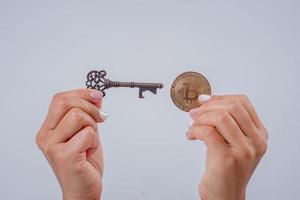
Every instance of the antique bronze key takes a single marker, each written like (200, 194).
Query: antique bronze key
(96, 80)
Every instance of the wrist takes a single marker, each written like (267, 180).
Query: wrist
(222, 197)
(82, 192)
(81, 197)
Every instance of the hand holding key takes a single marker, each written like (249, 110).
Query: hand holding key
(70, 140)
(96, 80)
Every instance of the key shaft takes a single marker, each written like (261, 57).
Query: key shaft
(134, 84)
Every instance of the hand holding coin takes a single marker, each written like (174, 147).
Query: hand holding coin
(235, 139)
(229, 126)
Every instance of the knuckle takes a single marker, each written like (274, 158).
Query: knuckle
(235, 106)
(38, 140)
(57, 96)
(222, 117)
(41, 139)
(80, 92)
(260, 143)
(76, 114)
(90, 130)
(244, 98)
(265, 132)
(62, 103)
(54, 154)
(49, 150)
(92, 125)
(79, 116)
(261, 148)
(247, 153)
(208, 132)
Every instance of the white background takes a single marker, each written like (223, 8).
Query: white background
(249, 47)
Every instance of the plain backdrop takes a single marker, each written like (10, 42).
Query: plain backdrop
(248, 47)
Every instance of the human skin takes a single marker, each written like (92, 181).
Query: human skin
(228, 125)
(235, 139)
(70, 141)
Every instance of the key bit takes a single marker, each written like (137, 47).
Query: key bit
(96, 80)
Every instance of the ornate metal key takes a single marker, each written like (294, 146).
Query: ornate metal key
(96, 80)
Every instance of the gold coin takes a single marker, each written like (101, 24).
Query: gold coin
(186, 88)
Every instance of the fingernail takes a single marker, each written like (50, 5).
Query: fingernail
(191, 124)
(204, 97)
(189, 130)
(96, 94)
(193, 113)
(103, 115)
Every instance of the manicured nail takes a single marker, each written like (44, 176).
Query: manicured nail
(204, 97)
(96, 94)
(191, 124)
(103, 115)
(193, 113)
(189, 129)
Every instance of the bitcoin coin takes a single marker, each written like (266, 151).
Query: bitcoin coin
(186, 88)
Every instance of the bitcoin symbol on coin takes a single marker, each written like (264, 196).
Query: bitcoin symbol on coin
(186, 88)
(188, 93)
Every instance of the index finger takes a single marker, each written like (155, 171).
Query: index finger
(93, 96)
(245, 102)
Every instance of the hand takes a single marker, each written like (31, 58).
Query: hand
(70, 141)
(236, 141)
